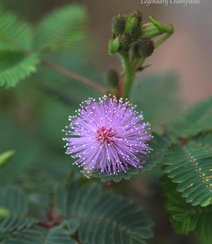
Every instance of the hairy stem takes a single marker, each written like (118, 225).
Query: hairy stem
(129, 74)
(75, 76)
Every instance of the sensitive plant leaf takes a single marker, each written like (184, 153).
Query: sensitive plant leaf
(39, 235)
(190, 166)
(15, 66)
(159, 146)
(197, 119)
(184, 217)
(109, 219)
(15, 202)
(6, 156)
(61, 29)
(15, 34)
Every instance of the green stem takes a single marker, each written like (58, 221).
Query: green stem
(129, 74)
(162, 40)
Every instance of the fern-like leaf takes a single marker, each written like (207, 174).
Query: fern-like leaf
(159, 144)
(39, 235)
(15, 34)
(184, 217)
(109, 219)
(190, 165)
(61, 29)
(196, 120)
(15, 202)
(15, 66)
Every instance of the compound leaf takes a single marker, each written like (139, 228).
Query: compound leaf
(15, 34)
(184, 217)
(190, 165)
(197, 119)
(15, 202)
(108, 219)
(61, 29)
(15, 66)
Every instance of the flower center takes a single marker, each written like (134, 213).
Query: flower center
(105, 135)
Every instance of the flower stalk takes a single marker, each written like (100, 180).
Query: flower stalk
(75, 76)
(129, 74)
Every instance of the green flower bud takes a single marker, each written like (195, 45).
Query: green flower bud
(112, 77)
(125, 41)
(113, 45)
(145, 47)
(132, 25)
(118, 24)
(135, 52)
(138, 15)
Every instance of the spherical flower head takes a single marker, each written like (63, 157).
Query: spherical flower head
(107, 136)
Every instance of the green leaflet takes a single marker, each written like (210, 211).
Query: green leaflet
(40, 235)
(159, 145)
(6, 156)
(15, 34)
(14, 200)
(184, 217)
(197, 119)
(109, 219)
(190, 166)
(15, 66)
(61, 29)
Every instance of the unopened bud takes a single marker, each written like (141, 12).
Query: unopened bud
(118, 24)
(145, 47)
(112, 77)
(138, 15)
(131, 25)
(113, 45)
(125, 41)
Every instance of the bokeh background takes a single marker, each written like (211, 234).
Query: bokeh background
(35, 111)
(188, 52)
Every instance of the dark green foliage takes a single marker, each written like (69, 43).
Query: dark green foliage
(185, 217)
(18, 58)
(61, 29)
(109, 219)
(190, 165)
(198, 119)
(15, 66)
(84, 215)
(15, 34)
(40, 235)
(14, 200)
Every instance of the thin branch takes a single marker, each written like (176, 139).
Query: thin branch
(75, 76)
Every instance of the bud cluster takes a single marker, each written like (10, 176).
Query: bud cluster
(127, 32)
(112, 77)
